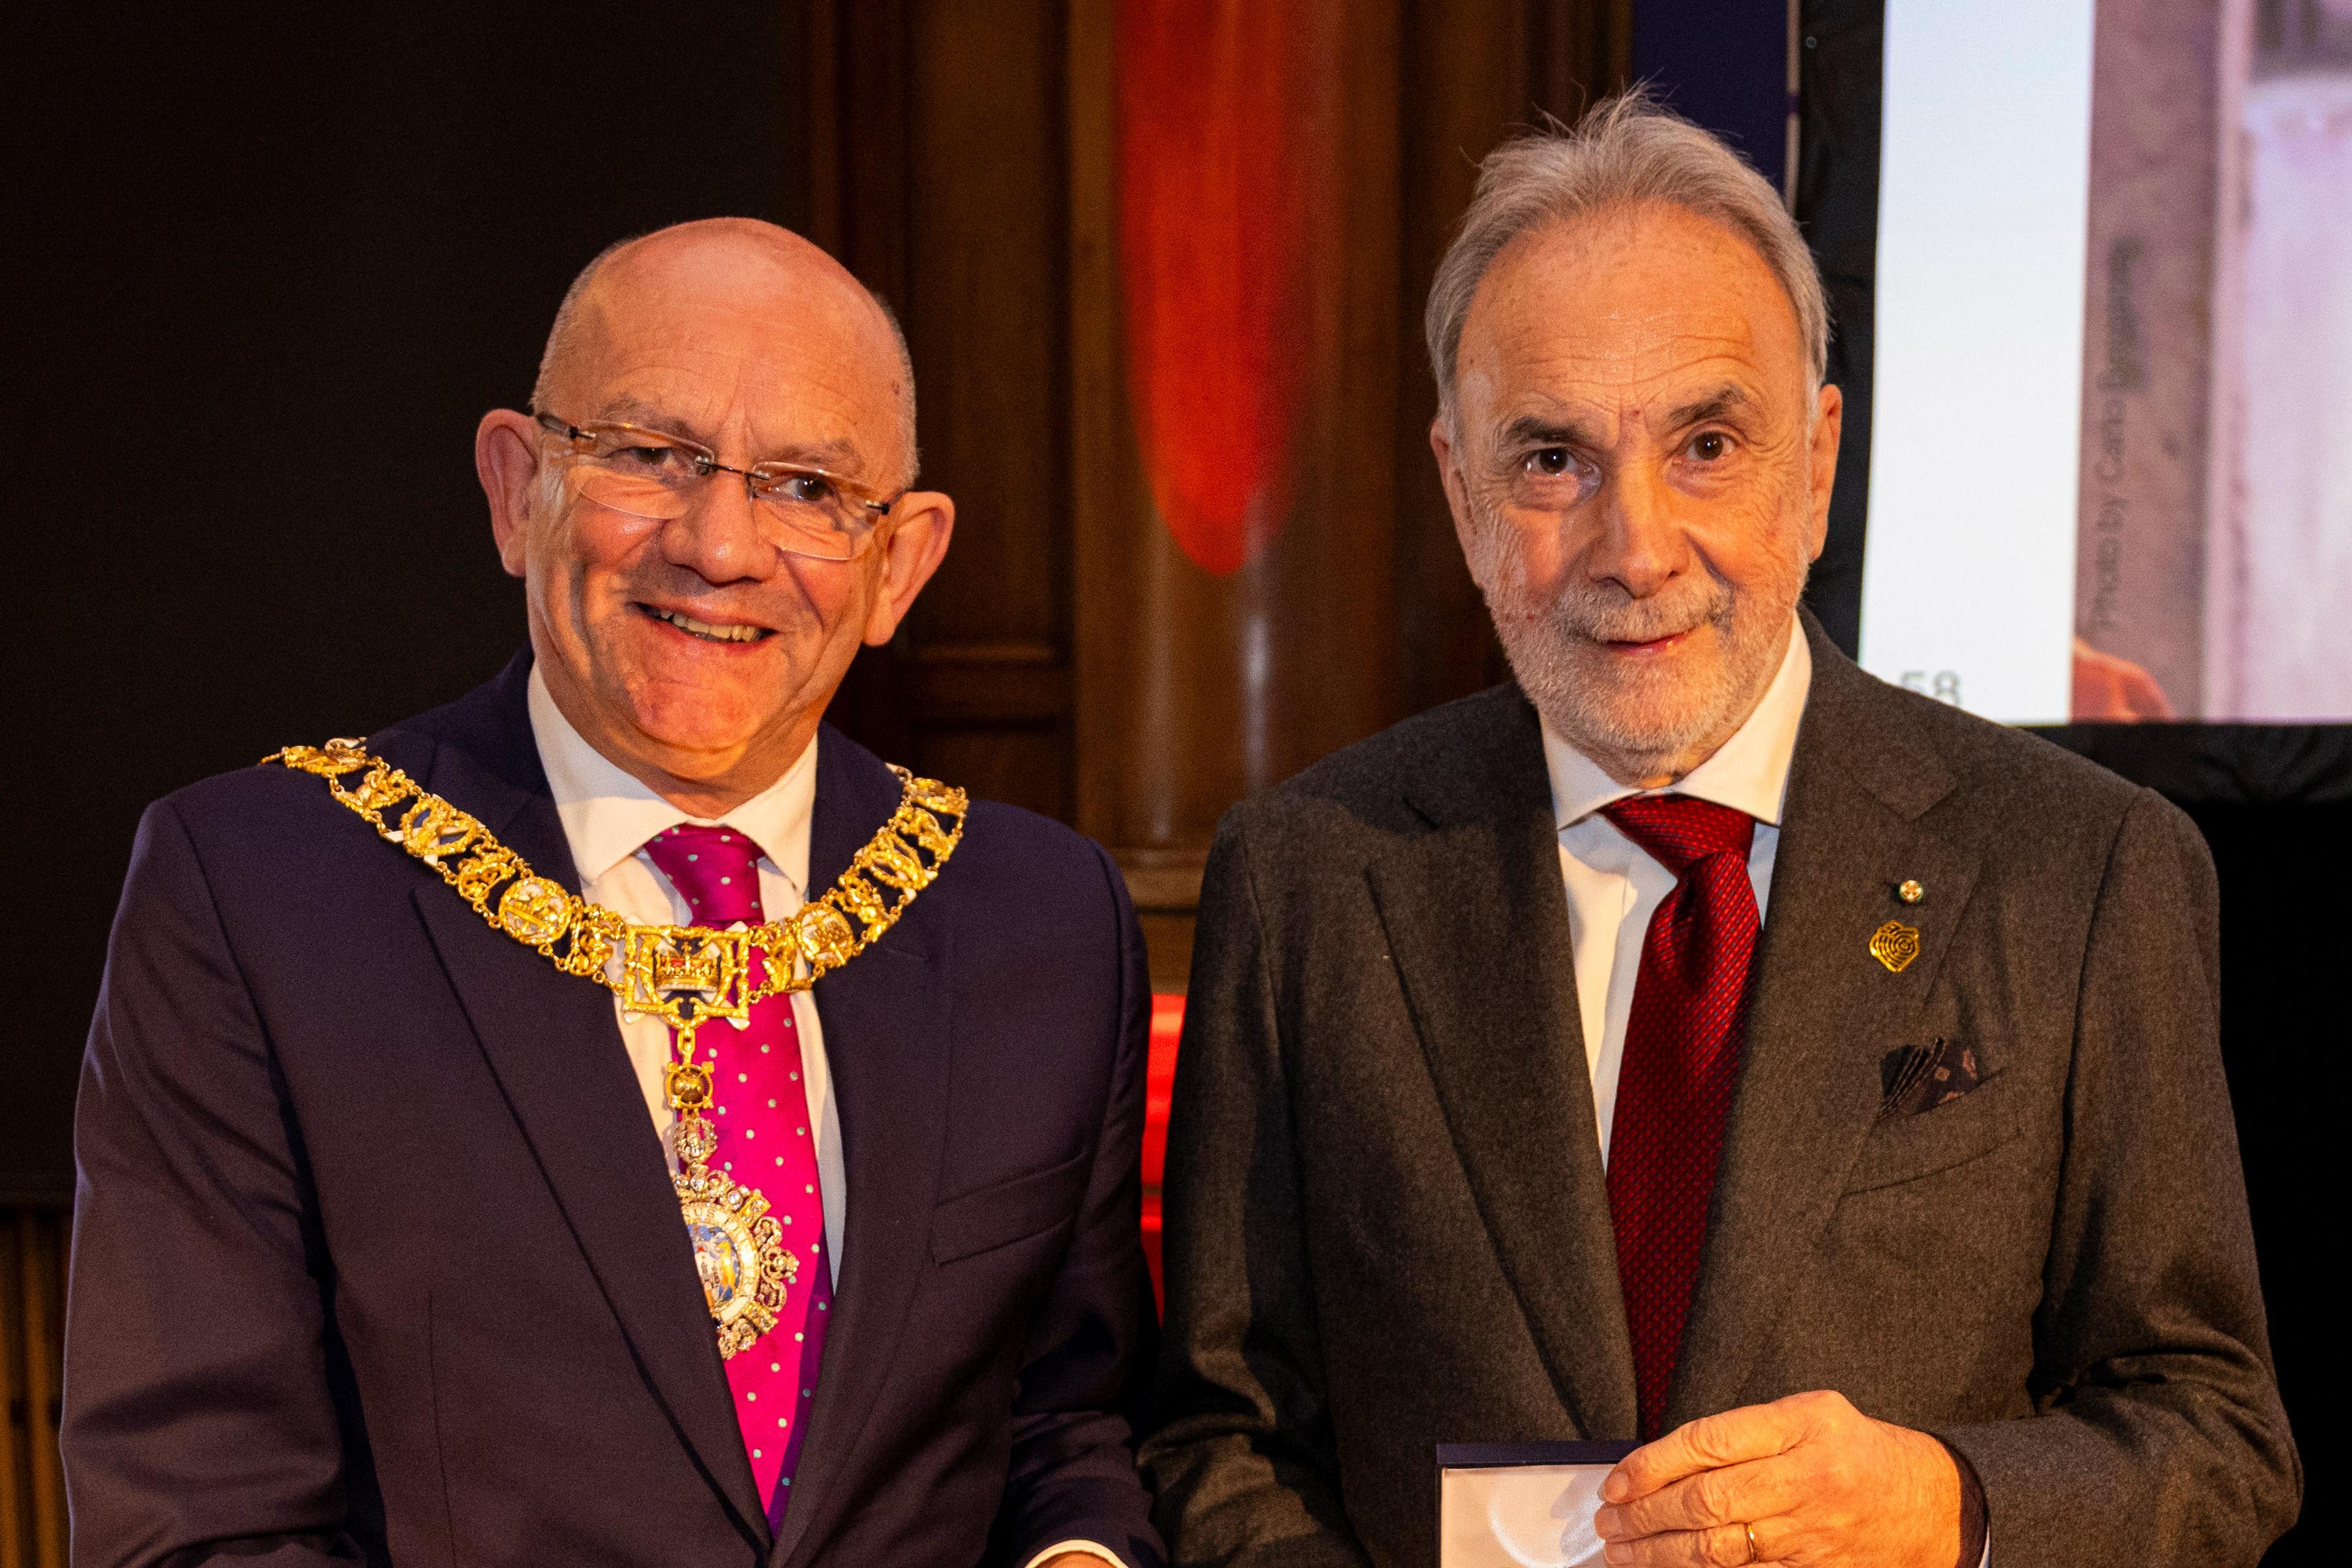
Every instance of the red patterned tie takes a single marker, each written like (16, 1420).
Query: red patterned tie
(765, 1141)
(1681, 1063)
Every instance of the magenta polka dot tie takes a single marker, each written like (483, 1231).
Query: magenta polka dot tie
(767, 1139)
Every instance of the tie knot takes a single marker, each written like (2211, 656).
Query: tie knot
(716, 869)
(1678, 831)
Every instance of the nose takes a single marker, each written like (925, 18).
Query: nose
(719, 538)
(1637, 547)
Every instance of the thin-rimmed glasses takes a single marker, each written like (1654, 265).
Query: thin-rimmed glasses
(654, 475)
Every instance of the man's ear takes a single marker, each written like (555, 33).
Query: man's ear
(1449, 474)
(506, 460)
(1829, 422)
(913, 543)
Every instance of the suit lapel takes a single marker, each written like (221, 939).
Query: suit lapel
(554, 1045)
(1823, 1010)
(886, 1024)
(1476, 918)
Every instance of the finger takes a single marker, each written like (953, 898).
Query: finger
(1724, 1546)
(1711, 1442)
(1756, 1490)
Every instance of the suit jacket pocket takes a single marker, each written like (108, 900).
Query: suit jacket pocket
(1008, 1211)
(1904, 1148)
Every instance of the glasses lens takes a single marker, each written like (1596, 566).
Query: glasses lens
(815, 516)
(640, 471)
(646, 474)
(634, 494)
(645, 455)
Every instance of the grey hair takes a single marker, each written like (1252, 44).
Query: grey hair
(1625, 152)
(566, 328)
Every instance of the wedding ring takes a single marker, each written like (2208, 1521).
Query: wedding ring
(1753, 1554)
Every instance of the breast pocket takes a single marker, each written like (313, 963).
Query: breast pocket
(1009, 1211)
(1906, 1148)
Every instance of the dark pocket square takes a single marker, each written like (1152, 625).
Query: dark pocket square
(1921, 1077)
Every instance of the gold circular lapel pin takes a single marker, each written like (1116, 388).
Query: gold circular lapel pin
(1894, 945)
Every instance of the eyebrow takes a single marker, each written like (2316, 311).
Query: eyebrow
(1729, 398)
(1538, 430)
(635, 411)
(1551, 430)
(835, 457)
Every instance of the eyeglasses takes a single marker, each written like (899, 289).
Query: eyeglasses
(654, 475)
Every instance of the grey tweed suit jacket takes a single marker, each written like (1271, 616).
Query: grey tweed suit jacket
(1387, 1224)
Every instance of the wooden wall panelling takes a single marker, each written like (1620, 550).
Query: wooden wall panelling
(1195, 689)
(1468, 93)
(15, 1456)
(1481, 71)
(33, 1247)
(1069, 656)
(1576, 51)
(16, 1437)
(1106, 486)
(987, 643)
(847, 62)
(939, 137)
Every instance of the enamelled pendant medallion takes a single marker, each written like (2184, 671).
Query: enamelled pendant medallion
(739, 1248)
(687, 976)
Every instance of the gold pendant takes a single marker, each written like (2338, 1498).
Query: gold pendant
(686, 975)
(739, 1248)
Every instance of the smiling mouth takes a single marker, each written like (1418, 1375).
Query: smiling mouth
(706, 630)
(1652, 645)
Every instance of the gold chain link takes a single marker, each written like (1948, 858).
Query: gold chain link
(686, 975)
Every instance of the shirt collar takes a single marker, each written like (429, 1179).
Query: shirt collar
(608, 814)
(1748, 772)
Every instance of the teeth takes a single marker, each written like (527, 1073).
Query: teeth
(705, 631)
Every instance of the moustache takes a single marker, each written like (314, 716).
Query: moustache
(1602, 613)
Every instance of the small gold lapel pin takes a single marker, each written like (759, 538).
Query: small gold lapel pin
(1894, 945)
(1910, 891)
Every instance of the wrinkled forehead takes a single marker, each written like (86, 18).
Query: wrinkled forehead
(1627, 311)
(768, 365)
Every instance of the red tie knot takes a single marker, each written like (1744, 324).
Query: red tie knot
(1678, 831)
(716, 870)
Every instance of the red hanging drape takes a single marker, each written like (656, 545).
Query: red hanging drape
(1224, 131)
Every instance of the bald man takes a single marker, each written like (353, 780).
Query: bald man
(613, 1118)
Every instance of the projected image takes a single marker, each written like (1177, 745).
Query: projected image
(2112, 474)
(2214, 566)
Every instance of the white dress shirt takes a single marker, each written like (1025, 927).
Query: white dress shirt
(608, 818)
(1613, 885)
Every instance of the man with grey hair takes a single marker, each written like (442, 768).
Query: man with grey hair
(1697, 1043)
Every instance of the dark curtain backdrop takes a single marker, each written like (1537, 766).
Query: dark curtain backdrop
(268, 265)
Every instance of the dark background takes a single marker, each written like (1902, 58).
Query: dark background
(265, 271)
(267, 276)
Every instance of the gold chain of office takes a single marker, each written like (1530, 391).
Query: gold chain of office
(686, 975)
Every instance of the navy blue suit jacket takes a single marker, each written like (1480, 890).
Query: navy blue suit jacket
(376, 1250)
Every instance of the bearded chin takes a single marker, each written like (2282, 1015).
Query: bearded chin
(1642, 718)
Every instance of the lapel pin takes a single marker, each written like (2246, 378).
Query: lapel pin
(1894, 945)
(1910, 891)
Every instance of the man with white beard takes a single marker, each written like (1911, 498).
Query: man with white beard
(1696, 1041)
